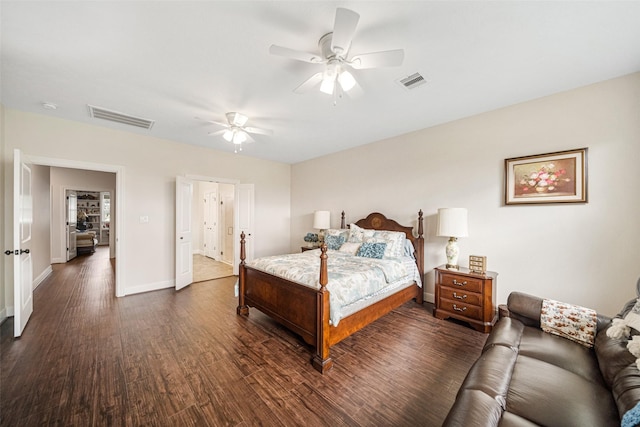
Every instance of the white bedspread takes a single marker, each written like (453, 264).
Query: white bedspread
(351, 278)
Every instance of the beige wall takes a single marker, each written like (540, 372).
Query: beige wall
(40, 231)
(150, 168)
(581, 253)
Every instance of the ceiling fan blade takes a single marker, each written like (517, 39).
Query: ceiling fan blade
(344, 27)
(388, 58)
(309, 83)
(295, 54)
(236, 119)
(259, 131)
(213, 122)
(219, 132)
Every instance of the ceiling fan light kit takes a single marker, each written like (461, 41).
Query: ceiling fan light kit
(235, 130)
(334, 48)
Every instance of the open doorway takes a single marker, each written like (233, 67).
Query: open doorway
(188, 233)
(212, 224)
(84, 176)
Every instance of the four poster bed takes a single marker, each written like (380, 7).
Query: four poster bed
(306, 306)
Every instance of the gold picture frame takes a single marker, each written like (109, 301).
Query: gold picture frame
(559, 177)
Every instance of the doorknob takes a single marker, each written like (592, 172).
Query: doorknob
(8, 252)
(25, 251)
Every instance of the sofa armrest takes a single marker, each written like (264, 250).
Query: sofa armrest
(525, 308)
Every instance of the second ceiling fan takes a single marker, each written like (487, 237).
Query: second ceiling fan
(334, 48)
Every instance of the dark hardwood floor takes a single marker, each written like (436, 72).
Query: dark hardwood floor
(185, 358)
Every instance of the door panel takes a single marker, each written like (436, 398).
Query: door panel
(71, 221)
(184, 232)
(245, 221)
(22, 223)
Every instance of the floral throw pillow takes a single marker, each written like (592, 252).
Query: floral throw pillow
(372, 250)
(334, 242)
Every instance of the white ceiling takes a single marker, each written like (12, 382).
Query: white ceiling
(172, 61)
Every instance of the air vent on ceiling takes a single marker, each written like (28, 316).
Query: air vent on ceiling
(412, 81)
(114, 116)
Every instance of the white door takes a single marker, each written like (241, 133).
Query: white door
(211, 225)
(22, 262)
(184, 232)
(72, 222)
(226, 227)
(245, 222)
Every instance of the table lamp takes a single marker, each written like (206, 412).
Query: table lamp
(452, 223)
(321, 221)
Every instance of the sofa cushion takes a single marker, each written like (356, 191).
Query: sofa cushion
(549, 395)
(560, 352)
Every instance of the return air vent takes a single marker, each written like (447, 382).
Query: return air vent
(412, 81)
(114, 116)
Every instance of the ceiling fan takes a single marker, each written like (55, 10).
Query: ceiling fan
(235, 130)
(334, 48)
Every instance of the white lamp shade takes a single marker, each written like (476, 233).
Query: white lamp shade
(322, 220)
(452, 222)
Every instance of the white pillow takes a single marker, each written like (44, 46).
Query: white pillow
(359, 234)
(350, 247)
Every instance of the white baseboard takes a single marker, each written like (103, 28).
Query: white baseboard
(198, 252)
(58, 260)
(429, 297)
(10, 311)
(150, 287)
(47, 271)
(3, 315)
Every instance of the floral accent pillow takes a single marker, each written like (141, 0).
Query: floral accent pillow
(359, 234)
(372, 250)
(393, 239)
(334, 242)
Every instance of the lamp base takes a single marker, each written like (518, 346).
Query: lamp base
(452, 252)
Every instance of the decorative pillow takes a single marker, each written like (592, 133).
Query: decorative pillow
(359, 234)
(344, 232)
(334, 242)
(350, 247)
(569, 321)
(372, 250)
(393, 239)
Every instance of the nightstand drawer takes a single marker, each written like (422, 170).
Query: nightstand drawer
(461, 309)
(461, 295)
(461, 282)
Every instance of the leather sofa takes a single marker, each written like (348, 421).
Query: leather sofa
(527, 377)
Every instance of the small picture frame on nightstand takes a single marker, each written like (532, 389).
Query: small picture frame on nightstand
(478, 264)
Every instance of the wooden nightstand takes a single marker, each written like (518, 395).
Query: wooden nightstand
(466, 296)
(307, 248)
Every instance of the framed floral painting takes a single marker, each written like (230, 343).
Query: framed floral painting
(559, 177)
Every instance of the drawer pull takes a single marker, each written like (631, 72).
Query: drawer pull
(455, 282)
(459, 296)
(456, 308)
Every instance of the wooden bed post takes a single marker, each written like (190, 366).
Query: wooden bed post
(342, 221)
(242, 309)
(420, 256)
(321, 361)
